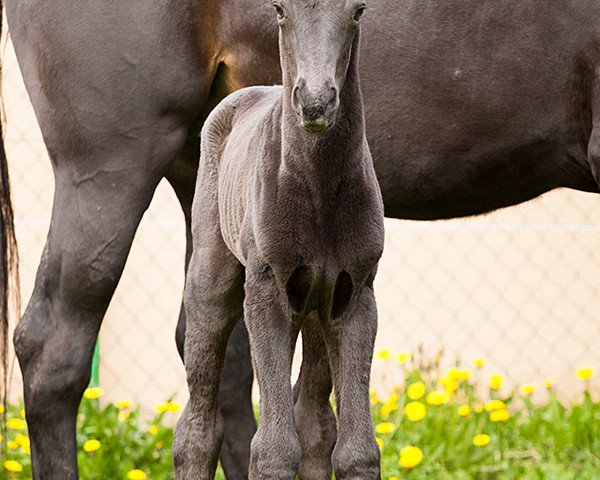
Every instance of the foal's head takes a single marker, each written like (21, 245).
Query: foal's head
(315, 40)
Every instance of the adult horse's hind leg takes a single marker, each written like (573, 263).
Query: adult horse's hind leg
(315, 421)
(94, 218)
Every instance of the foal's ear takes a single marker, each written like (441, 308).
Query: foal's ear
(298, 287)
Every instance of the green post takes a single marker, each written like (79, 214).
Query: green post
(95, 378)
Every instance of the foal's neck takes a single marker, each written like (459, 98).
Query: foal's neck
(337, 151)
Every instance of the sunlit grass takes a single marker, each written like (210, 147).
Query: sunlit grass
(439, 425)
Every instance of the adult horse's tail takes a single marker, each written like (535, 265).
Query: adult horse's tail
(9, 285)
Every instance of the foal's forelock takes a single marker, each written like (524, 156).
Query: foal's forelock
(315, 41)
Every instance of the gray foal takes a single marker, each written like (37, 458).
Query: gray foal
(288, 229)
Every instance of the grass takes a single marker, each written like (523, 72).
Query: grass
(439, 425)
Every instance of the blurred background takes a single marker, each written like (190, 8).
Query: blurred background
(519, 287)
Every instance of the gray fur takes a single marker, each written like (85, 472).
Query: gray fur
(296, 217)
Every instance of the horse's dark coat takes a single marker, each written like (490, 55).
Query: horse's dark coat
(471, 105)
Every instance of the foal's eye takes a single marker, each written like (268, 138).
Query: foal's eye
(279, 10)
(359, 13)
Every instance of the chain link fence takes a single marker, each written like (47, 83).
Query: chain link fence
(520, 287)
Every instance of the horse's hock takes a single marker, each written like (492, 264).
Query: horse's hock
(488, 286)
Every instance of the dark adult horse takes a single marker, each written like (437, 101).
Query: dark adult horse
(471, 105)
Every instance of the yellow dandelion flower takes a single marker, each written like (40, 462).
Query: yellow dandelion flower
(449, 384)
(385, 428)
(415, 390)
(12, 445)
(383, 354)
(93, 393)
(393, 478)
(387, 408)
(415, 411)
(495, 404)
(136, 475)
(1, 409)
(13, 466)
(481, 440)
(478, 408)
(379, 442)
(403, 357)
(91, 446)
(16, 424)
(22, 413)
(548, 383)
(496, 381)
(464, 410)
(123, 404)
(479, 362)
(22, 440)
(153, 430)
(168, 407)
(501, 415)
(438, 397)
(585, 373)
(528, 389)
(410, 456)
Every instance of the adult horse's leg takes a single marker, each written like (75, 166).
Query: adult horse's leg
(235, 391)
(94, 218)
(315, 421)
(350, 341)
(114, 106)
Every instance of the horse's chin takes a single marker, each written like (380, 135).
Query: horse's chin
(320, 125)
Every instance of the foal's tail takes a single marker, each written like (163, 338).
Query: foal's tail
(9, 258)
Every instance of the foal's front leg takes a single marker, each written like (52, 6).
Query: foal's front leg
(275, 451)
(315, 420)
(350, 342)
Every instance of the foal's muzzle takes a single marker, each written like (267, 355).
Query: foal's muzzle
(316, 106)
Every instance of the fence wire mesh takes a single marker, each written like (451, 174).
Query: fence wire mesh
(519, 287)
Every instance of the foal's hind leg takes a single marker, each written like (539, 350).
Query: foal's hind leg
(350, 342)
(235, 392)
(315, 421)
(213, 304)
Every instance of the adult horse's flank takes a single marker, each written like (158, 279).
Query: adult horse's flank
(287, 223)
(470, 105)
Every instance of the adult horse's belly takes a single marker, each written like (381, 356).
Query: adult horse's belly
(474, 105)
